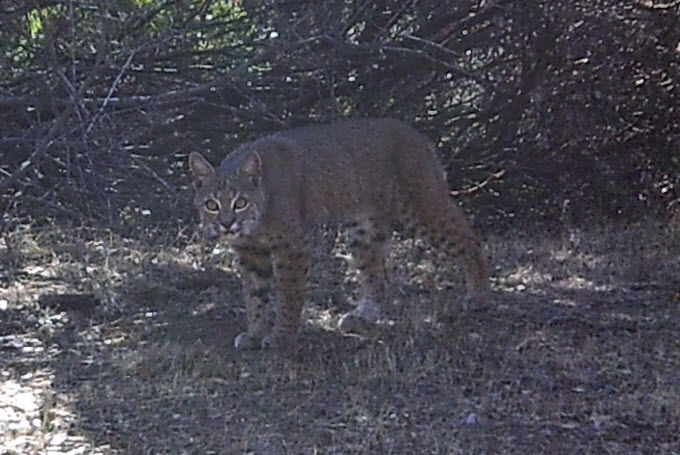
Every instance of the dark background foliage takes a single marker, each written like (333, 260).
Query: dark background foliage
(543, 110)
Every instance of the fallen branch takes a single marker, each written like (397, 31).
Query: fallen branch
(648, 4)
(480, 185)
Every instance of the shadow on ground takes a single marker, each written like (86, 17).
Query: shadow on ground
(560, 363)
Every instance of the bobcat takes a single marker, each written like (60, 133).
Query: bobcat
(368, 175)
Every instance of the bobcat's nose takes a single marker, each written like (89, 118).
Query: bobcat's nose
(227, 226)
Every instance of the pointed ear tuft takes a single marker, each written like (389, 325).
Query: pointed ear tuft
(252, 165)
(201, 168)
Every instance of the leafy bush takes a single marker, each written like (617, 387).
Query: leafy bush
(542, 110)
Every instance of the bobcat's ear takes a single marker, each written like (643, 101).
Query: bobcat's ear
(252, 164)
(200, 168)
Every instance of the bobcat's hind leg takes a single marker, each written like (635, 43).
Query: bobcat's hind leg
(451, 231)
(369, 244)
(255, 266)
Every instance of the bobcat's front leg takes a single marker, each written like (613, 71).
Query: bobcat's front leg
(290, 271)
(255, 266)
(369, 242)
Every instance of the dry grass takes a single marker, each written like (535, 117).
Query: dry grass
(109, 345)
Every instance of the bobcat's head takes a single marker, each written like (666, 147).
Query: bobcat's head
(230, 200)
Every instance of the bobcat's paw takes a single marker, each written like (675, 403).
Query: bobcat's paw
(247, 340)
(280, 340)
(362, 318)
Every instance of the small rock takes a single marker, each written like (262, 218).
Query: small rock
(470, 420)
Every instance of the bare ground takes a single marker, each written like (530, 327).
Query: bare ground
(115, 346)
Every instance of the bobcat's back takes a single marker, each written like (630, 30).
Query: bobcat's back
(345, 171)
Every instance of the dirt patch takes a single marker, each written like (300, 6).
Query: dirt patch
(109, 345)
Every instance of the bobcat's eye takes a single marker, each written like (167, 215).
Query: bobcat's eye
(240, 204)
(211, 205)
